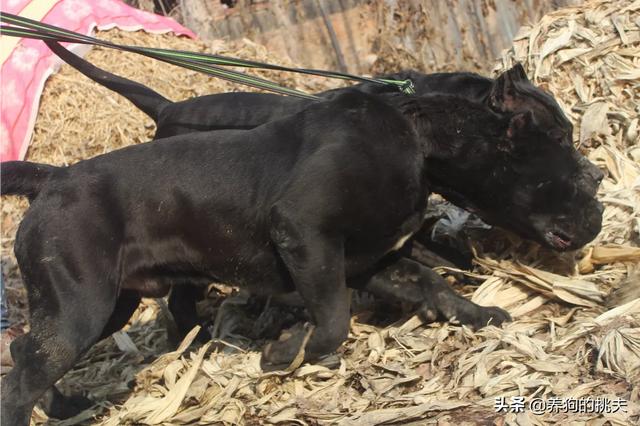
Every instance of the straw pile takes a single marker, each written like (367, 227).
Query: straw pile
(576, 332)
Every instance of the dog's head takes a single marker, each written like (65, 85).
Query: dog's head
(540, 190)
(508, 169)
(512, 92)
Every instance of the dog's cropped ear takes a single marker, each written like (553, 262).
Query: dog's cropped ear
(503, 95)
(518, 123)
(518, 73)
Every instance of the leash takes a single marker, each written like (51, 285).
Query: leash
(200, 62)
(41, 31)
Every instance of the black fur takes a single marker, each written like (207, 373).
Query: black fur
(24, 178)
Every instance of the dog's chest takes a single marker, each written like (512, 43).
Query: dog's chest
(406, 231)
(411, 221)
(401, 241)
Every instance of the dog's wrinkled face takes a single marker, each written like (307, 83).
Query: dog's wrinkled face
(544, 197)
(512, 92)
(532, 186)
(511, 171)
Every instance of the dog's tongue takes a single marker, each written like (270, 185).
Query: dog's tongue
(559, 241)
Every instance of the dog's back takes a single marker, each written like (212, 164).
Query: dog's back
(181, 199)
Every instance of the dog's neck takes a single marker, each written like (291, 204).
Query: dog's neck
(460, 140)
(450, 125)
(472, 86)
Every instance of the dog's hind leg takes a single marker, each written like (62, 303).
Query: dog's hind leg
(57, 405)
(65, 319)
(315, 262)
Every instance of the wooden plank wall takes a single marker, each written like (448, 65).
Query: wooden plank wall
(362, 36)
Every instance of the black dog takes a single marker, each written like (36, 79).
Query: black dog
(509, 92)
(311, 203)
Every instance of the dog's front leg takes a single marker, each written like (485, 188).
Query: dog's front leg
(315, 262)
(409, 281)
(182, 306)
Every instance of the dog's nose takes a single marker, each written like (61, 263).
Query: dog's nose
(593, 171)
(594, 220)
(598, 176)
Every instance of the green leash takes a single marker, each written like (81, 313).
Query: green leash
(230, 75)
(205, 63)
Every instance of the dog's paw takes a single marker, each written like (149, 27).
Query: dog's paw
(482, 316)
(454, 307)
(278, 355)
(428, 311)
(60, 406)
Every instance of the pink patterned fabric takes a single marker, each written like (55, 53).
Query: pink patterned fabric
(25, 70)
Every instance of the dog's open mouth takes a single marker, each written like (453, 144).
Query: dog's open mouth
(558, 239)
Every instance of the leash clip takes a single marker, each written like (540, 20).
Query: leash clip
(408, 87)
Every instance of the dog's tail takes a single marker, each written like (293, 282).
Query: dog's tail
(145, 99)
(23, 178)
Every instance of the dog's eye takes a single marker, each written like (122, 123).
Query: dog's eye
(557, 135)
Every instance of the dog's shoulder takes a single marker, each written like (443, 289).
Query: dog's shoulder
(354, 112)
(363, 132)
